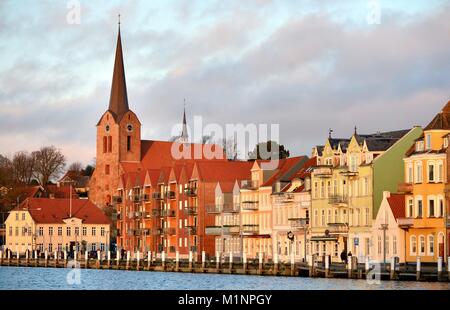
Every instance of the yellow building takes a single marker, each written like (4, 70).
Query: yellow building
(347, 189)
(425, 179)
(57, 224)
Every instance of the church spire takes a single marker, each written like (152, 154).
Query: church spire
(118, 102)
(184, 137)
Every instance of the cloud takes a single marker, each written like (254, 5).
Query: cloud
(255, 63)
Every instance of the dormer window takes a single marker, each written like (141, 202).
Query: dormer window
(419, 146)
(446, 142)
(428, 141)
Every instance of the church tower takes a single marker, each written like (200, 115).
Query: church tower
(118, 136)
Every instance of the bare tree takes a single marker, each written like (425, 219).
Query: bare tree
(230, 148)
(50, 163)
(23, 165)
(6, 171)
(76, 166)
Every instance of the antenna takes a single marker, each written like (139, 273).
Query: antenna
(119, 19)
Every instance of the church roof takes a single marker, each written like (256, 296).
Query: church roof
(118, 102)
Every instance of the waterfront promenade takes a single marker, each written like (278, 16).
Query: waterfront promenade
(314, 268)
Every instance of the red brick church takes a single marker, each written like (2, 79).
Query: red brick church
(160, 199)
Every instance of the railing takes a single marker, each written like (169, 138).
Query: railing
(323, 172)
(190, 211)
(213, 230)
(250, 229)
(131, 214)
(131, 232)
(191, 229)
(231, 229)
(338, 199)
(405, 187)
(146, 197)
(191, 191)
(299, 222)
(170, 195)
(169, 231)
(249, 184)
(250, 205)
(144, 231)
(405, 222)
(212, 209)
(157, 196)
(156, 212)
(117, 199)
(304, 204)
(136, 198)
(231, 208)
(168, 213)
(337, 228)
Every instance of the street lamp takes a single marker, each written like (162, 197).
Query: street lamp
(384, 228)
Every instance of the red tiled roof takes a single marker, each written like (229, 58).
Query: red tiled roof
(224, 171)
(157, 154)
(227, 187)
(284, 166)
(54, 211)
(397, 204)
(441, 120)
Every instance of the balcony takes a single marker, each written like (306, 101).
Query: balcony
(168, 213)
(337, 228)
(323, 172)
(304, 204)
(170, 195)
(118, 233)
(231, 229)
(146, 197)
(405, 188)
(249, 184)
(191, 191)
(299, 223)
(157, 196)
(350, 172)
(190, 211)
(231, 208)
(172, 249)
(213, 230)
(136, 198)
(131, 232)
(252, 229)
(117, 200)
(405, 222)
(214, 209)
(144, 231)
(131, 214)
(338, 199)
(169, 231)
(142, 215)
(156, 212)
(191, 230)
(250, 205)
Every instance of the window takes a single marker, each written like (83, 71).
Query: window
(387, 245)
(10, 230)
(41, 231)
(431, 211)
(180, 242)
(94, 247)
(77, 231)
(419, 207)
(109, 144)
(105, 144)
(23, 231)
(422, 245)
(428, 141)
(431, 172)
(93, 231)
(128, 143)
(431, 245)
(440, 170)
(107, 169)
(102, 247)
(23, 216)
(446, 142)
(367, 216)
(316, 190)
(409, 173)
(50, 231)
(68, 231)
(441, 206)
(316, 217)
(59, 231)
(17, 216)
(413, 245)
(394, 245)
(329, 216)
(419, 146)
(50, 247)
(379, 245)
(419, 172)
(323, 218)
(84, 231)
(410, 210)
(102, 231)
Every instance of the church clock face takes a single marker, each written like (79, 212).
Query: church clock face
(130, 127)
(107, 128)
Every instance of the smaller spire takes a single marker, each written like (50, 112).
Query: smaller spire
(184, 137)
(330, 131)
(356, 130)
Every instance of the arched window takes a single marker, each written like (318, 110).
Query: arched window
(105, 142)
(430, 245)
(422, 245)
(413, 245)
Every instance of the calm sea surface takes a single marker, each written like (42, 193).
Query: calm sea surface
(51, 278)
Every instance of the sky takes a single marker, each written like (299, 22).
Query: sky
(305, 65)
